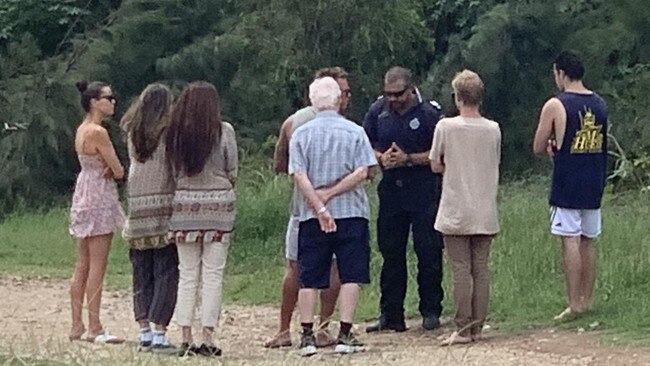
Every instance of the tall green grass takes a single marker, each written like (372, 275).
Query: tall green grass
(527, 280)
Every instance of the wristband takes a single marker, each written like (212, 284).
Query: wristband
(322, 210)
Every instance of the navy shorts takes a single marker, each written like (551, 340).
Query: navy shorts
(350, 243)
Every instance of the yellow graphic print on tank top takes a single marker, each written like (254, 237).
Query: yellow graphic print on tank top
(589, 138)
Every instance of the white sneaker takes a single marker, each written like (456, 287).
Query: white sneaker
(307, 346)
(146, 338)
(348, 344)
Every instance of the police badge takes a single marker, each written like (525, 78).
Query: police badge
(414, 124)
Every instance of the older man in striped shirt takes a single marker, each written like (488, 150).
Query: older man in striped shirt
(329, 158)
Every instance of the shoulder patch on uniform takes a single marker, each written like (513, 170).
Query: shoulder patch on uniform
(435, 104)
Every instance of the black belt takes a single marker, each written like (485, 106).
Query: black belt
(404, 182)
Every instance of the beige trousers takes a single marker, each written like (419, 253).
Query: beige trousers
(205, 262)
(469, 265)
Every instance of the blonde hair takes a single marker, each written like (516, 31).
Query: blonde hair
(468, 87)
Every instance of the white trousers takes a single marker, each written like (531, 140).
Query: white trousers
(205, 262)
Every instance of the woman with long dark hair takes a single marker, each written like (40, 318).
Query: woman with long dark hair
(150, 191)
(95, 212)
(202, 151)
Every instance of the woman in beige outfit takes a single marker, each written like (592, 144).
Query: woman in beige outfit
(467, 150)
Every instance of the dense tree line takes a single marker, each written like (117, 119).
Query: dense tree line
(261, 54)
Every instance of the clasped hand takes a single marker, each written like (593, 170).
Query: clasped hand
(325, 219)
(394, 157)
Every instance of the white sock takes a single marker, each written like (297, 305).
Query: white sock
(159, 337)
(146, 335)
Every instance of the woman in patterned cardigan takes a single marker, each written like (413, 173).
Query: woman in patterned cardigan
(203, 153)
(150, 192)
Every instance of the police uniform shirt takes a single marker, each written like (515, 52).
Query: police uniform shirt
(411, 131)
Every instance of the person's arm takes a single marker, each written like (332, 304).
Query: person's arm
(545, 128)
(437, 167)
(370, 127)
(437, 152)
(387, 159)
(102, 141)
(231, 152)
(499, 144)
(364, 160)
(347, 183)
(281, 153)
(298, 165)
(401, 159)
(325, 219)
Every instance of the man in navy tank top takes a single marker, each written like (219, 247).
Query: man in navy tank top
(573, 131)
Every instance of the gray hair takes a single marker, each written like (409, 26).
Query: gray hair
(397, 73)
(325, 93)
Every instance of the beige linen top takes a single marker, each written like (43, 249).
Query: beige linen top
(470, 149)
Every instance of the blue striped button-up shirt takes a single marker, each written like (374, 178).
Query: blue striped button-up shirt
(327, 149)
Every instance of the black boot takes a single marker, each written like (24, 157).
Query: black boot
(384, 324)
(430, 322)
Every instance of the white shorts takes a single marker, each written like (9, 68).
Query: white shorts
(573, 222)
(291, 239)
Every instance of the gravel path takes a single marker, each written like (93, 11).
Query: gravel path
(34, 319)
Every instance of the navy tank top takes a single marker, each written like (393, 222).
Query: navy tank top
(580, 165)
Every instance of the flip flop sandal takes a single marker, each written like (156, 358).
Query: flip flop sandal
(276, 343)
(105, 338)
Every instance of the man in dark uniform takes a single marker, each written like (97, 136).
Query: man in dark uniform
(400, 128)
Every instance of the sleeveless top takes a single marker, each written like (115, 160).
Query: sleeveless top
(580, 165)
(95, 208)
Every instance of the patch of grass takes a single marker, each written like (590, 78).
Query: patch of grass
(527, 287)
(15, 360)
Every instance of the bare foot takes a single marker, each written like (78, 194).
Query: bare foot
(324, 339)
(76, 332)
(456, 338)
(281, 339)
(568, 314)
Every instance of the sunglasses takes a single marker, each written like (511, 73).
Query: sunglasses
(110, 98)
(395, 94)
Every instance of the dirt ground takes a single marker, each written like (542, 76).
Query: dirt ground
(34, 324)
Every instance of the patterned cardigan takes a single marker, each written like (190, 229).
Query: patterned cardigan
(204, 204)
(150, 191)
